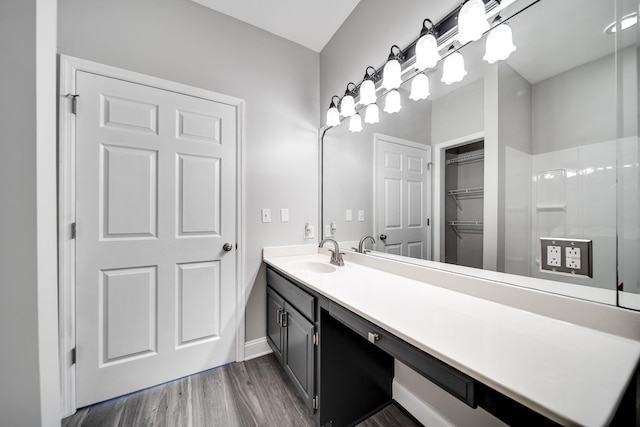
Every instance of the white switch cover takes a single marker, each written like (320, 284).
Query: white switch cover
(284, 215)
(360, 215)
(554, 256)
(266, 215)
(348, 216)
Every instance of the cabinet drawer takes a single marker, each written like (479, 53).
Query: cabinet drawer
(448, 378)
(302, 301)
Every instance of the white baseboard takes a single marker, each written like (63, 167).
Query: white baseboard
(256, 348)
(417, 407)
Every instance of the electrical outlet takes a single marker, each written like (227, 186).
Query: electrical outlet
(561, 255)
(348, 215)
(361, 215)
(554, 257)
(309, 231)
(328, 231)
(572, 258)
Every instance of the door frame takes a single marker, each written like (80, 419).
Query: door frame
(377, 137)
(439, 151)
(68, 68)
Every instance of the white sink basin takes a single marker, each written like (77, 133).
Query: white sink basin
(316, 267)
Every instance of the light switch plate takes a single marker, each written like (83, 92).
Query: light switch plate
(348, 215)
(266, 214)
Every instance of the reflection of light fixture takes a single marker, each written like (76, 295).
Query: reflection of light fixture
(392, 102)
(392, 73)
(472, 21)
(626, 22)
(368, 88)
(499, 43)
(372, 114)
(419, 87)
(355, 123)
(453, 69)
(333, 116)
(348, 105)
(427, 55)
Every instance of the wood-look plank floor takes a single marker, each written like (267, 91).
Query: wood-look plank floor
(252, 393)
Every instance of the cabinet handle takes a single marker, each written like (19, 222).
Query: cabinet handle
(279, 317)
(283, 319)
(373, 337)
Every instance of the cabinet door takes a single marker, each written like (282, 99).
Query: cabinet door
(299, 353)
(275, 336)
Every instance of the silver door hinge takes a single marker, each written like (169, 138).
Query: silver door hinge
(74, 102)
(73, 230)
(73, 356)
(316, 403)
(316, 338)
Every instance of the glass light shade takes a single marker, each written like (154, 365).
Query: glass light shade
(499, 44)
(392, 102)
(333, 117)
(367, 92)
(355, 123)
(347, 106)
(372, 114)
(472, 21)
(392, 75)
(419, 87)
(427, 55)
(453, 69)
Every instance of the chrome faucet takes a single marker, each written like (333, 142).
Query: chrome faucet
(361, 248)
(336, 255)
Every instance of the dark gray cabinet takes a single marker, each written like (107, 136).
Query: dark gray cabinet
(291, 335)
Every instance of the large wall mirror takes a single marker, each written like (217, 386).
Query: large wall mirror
(541, 145)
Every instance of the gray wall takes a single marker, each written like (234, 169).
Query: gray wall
(182, 41)
(29, 375)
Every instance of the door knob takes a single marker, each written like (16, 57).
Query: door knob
(383, 237)
(227, 247)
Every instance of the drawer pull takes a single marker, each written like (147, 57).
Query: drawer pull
(373, 337)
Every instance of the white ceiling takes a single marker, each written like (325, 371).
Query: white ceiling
(306, 22)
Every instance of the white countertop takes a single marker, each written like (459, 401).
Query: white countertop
(569, 373)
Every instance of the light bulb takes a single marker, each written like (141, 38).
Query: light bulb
(333, 117)
(392, 102)
(499, 44)
(419, 87)
(355, 123)
(372, 114)
(472, 21)
(427, 55)
(367, 92)
(347, 106)
(453, 69)
(392, 74)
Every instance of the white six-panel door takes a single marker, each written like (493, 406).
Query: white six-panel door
(402, 197)
(155, 203)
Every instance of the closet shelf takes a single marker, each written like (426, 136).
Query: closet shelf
(465, 193)
(466, 158)
(471, 227)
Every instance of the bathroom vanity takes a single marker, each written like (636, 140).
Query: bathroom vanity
(337, 330)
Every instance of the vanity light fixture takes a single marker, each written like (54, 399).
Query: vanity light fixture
(427, 55)
(355, 123)
(453, 69)
(499, 43)
(392, 73)
(626, 22)
(419, 87)
(368, 88)
(372, 114)
(333, 115)
(392, 102)
(348, 104)
(472, 21)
